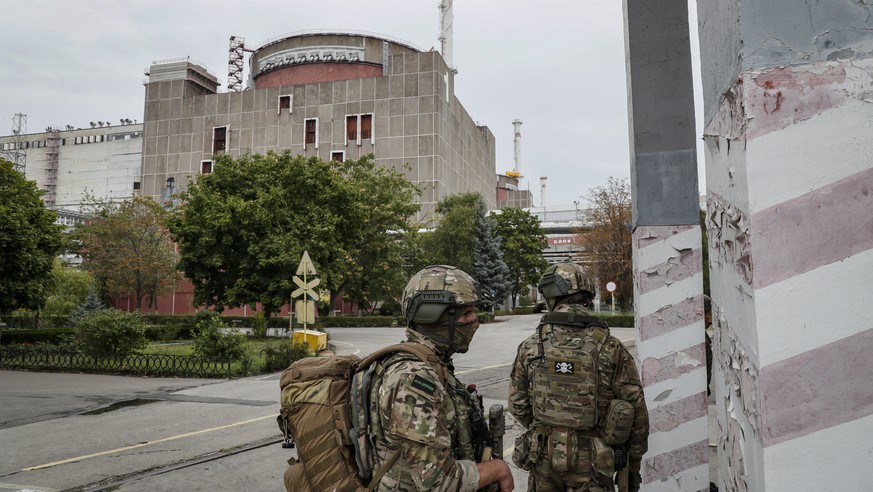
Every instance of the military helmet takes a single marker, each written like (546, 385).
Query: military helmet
(563, 279)
(435, 288)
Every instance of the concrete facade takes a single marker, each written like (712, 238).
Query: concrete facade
(415, 118)
(787, 92)
(103, 162)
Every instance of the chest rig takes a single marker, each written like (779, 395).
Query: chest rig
(564, 372)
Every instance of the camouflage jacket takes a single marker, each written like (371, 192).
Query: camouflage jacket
(428, 422)
(618, 378)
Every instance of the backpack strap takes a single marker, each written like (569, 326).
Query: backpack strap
(422, 352)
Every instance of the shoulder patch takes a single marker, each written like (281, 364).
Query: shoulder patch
(423, 385)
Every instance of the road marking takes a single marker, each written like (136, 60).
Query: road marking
(356, 352)
(482, 368)
(25, 488)
(148, 443)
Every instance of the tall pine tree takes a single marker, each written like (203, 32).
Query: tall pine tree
(489, 268)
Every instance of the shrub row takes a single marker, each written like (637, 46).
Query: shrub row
(51, 335)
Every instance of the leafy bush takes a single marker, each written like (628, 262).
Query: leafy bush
(165, 333)
(52, 335)
(210, 340)
(110, 331)
(259, 325)
(280, 355)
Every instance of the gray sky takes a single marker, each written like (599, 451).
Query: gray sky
(557, 65)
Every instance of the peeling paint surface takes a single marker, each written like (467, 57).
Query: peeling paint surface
(728, 231)
(672, 366)
(669, 318)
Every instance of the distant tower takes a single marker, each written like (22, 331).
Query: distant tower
(543, 190)
(446, 41)
(18, 153)
(235, 63)
(517, 147)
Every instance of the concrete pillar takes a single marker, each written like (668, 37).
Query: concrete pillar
(788, 96)
(668, 287)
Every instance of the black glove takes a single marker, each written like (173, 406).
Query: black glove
(634, 480)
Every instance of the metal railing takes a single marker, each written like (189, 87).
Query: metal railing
(39, 358)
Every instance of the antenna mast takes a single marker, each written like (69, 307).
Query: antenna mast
(446, 34)
(18, 153)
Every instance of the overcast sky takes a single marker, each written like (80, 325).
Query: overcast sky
(557, 65)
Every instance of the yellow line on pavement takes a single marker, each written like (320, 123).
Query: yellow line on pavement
(148, 443)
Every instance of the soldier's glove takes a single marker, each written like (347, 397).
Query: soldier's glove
(634, 480)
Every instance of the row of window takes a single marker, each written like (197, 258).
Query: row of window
(38, 144)
(359, 127)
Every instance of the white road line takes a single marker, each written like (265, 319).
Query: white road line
(148, 443)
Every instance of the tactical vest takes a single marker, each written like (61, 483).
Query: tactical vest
(564, 377)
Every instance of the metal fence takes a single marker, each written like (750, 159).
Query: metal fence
(39, 358)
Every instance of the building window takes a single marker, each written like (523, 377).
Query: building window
(311, 127)
(367, 127)
(351, 128)
(205, 167)
(359, 127)
(219, 139)
(136, 185)
(284, 103)
(338, 156)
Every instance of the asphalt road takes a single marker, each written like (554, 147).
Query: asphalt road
(88, 432)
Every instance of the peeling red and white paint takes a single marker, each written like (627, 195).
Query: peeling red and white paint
(671, 354)
(790, 217)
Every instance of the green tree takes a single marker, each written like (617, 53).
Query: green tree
(523, 242)
(92, 302)
(453, 240)
(489, 269)
(128, 248)
(373, 237)
(242, 230)
(68, 289)
(29, 242)
(607, 240)
(466, 238)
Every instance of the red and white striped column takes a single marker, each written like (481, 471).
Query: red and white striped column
(790, 220)
(672, 356)
(667, 242)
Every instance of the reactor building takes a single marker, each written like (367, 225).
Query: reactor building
(334, 95)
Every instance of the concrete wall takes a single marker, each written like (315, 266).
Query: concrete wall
(789, 173)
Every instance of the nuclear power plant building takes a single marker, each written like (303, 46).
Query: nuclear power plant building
(334, 95)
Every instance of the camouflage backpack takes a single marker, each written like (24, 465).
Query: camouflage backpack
(565, 380)
(324, 413)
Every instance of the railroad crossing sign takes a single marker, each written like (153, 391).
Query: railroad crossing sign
(305, 307)
(305, 288)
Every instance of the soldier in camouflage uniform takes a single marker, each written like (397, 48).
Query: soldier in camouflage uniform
(423, 415)
(576, 390)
